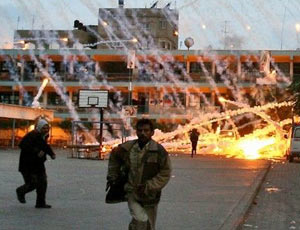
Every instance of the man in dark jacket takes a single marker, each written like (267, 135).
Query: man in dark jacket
(34, 148)
(149, 169)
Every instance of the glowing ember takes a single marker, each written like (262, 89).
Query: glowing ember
(35, 103)
(272, 189)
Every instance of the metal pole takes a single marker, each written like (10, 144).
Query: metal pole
(13, 134)
(130, 88)
(101, 133)
(282, 27)
(73, 133)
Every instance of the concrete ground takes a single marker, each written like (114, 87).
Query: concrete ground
(277, 206)
(205, 192)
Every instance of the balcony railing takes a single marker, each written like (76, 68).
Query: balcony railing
(245, 77)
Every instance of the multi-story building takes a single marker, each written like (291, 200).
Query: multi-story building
(165, 83)
(173, 85)
(118, 28)
(152, 28)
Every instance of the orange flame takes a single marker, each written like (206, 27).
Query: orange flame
(251, 147)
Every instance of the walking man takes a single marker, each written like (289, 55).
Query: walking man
(34, 148)
(194, 135)
(148, 168)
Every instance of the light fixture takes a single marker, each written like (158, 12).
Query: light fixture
(104, 23)
(64, 39)
(134, 40)
(297, 26)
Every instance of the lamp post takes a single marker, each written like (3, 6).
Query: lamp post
(189, 42)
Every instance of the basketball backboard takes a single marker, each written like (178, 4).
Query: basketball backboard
(89, 98)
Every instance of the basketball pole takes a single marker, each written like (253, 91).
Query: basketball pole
(101, 134)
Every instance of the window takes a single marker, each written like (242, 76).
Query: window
(162, 24)
(113, 67)
(27, 98)
(198, 67)
(75, 98)
(55, 67)
(4, 67)
(148, 26)
(55, 99)
(9, 98)
(117, 45)
(165, 44)
(250, 67)
(29, 70)
(297, 133)
(8, 70)
(174, 100)
(194, 100)
(296, 68)
(281, 67)
(205, 99)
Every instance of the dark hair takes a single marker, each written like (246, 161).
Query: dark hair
(144, 122)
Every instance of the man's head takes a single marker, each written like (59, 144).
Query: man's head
(42, 126)
(144, 130)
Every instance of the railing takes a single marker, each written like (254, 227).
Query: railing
(244, 77)
(158, 110)
(10, 101)
(5, 76)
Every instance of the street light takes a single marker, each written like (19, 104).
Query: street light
(104, 23)
(64, 39)
(189, 42)
(134, 40)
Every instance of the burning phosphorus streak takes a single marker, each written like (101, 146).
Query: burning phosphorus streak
(35, 103)
(259, 144)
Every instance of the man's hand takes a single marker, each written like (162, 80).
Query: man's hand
(53, 156)
(41, 154)
(109, 183)
(141, 189)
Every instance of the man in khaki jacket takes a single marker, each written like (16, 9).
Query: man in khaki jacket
(147, 168)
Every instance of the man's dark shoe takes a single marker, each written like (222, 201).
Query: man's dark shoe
(43, 206)
(21, 197)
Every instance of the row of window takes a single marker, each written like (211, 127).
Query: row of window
(117, 99)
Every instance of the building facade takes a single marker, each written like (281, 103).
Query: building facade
(117, 28)
(170, 85)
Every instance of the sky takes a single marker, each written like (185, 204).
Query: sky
(251, 24)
